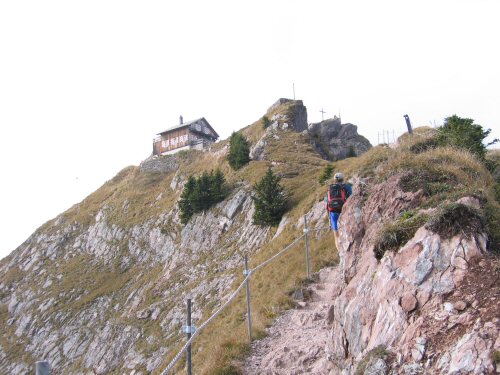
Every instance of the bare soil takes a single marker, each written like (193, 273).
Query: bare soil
(297, 343)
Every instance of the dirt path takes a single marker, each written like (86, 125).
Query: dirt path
(297, 341)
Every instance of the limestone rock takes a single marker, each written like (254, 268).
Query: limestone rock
(93, 329)
(374, 301)
(335, 141)
(376, 366)
(408, 302)
(163, 164)
(460, 305)
(293, 114)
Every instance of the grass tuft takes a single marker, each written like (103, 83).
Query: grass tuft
(394, 235)
(378, 352)
(456, 218)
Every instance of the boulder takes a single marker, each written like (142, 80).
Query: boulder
(334, 140)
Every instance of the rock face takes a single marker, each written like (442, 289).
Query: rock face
(430, 307)
(400, 302)
(296, 115)
(162, 164)
(335, 141)
(284, 114)
(83, 297)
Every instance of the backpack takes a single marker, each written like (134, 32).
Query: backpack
(337, 195)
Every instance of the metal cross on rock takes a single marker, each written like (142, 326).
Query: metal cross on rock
(322, 115)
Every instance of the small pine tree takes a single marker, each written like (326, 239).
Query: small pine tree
(201, 193)
(265, 122)
(239, 151)
(326, 174)
(186, 201)
(202, 196)
(218, 184)
(463, 133)
(269, 199)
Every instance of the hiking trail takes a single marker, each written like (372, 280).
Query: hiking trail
(297, 342)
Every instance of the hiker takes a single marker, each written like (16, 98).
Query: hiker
(337, 194)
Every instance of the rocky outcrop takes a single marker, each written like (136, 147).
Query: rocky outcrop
(291, 114)
(284, 114)
(394, 302)
(334, 140)
(429, 307)
(106, 299)
(163, 164)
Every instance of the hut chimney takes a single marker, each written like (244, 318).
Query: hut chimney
(181, 120)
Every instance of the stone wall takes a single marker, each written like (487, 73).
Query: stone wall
(163, 164)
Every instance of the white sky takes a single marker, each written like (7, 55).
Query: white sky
(85, 85)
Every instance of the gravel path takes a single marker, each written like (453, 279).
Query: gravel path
(297, 342)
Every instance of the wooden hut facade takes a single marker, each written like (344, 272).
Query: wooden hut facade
(197, 134)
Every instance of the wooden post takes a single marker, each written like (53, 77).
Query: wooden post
(408, 124)
(188, 324)
(308, 266)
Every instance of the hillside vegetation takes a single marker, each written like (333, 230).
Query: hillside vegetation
(134, 199)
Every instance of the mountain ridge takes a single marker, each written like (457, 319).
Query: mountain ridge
(100, 288)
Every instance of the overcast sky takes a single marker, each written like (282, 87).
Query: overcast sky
(85, 85)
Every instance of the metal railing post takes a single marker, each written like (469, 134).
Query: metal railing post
(249, 318)
(42, 368)
(188, 332)
(306, 231)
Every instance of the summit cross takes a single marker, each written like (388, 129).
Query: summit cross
(322, 115)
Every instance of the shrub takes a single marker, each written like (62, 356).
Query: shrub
(265, 122)
(201, 193)
(493, 163)
(492, 217)
(239, 151)
(326, 174)
(270, 200)
(378, 352)
(452, 219)
(463, 133)
(394, 235)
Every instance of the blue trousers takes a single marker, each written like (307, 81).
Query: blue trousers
(334, 220)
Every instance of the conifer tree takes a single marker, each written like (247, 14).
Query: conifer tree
(239, 151)
(463, 133)
(217, 183)
(201, 193)
(269, 199)
(186, 201)
(326, 174)
(202, 197)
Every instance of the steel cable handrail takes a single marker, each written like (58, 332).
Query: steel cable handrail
(322, 228)
(277, 254)
(231, 298)
(214, 315)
